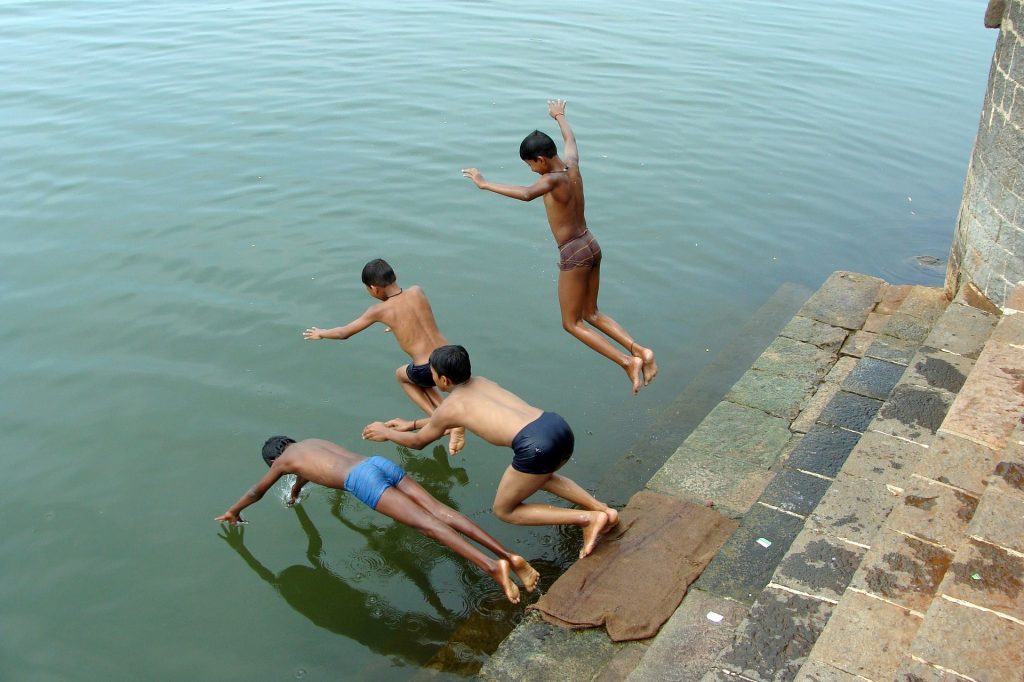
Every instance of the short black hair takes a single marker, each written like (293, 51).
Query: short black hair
(451, 361)
(537, 144)
(378, 273)
(274, 446)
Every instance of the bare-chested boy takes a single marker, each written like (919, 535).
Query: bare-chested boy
(407, 313)
(383, 486)
(542, 442)
(579, 262)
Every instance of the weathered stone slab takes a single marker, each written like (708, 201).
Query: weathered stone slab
(850, 411)
(891, 297)
(823, 450)
(891, 349)
(732, 484)
(867, 636)
(819, 565)
(844, 300)
(873, 378)
(795, 359)
(822, 335)
(776, 638)
(903, 570)
(956, 461)
(962, 330)
(875, 323)
(915, 671)
(938, 369)
(718, 675)
(883, 459)
(857, 343)
(970, 642)
(743, 567)
(816, 671)
(999, 519)
(732, 431)
(794, 491)
(853, 509)
(933, 512)
(913, 412)
(925, 303)
(779, 396)
(987, 576)
(688, 643)
(907, 328)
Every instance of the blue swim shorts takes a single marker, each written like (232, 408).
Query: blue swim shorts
(543, 445)
(420, 375)
(370, 478)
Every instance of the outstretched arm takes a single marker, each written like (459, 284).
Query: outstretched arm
(402, 431)
(537, 189)
(254, 494)
(556, 109)
(341, 333)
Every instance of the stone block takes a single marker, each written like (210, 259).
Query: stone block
(924, 303)
(956, 461)
(795, 359)
(857, 342)
(881, 458)
(819, 565)
(867, 636)
(814, 405)
(916, 671)
(822, 335)
(732, 431)
(823, 450)
(891, 297)
(933, 512)
(907, 328)
(913, 412)
(891, 349)
(849, 411)
(844, 300)
(933, 368)
(774, 641)
(970, 295)
(875, 323)
(733, 484)
(794, 491)
(999, 519)
(970, 642)
(873, 378)
(688, 643)
(987, 576)
(903, 570)
(718, 675)
(853, 509)
(840, 370)
(743, 567)
(779, 396)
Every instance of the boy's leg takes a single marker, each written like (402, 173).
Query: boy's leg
(399, 506)
(573, 288)
(515, 486)
(463, 524)
(571, 491)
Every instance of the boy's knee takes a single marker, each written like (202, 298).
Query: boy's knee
(401, 376)
(502, 513)
(592, 316)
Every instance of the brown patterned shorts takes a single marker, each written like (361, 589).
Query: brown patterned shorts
(579, 252)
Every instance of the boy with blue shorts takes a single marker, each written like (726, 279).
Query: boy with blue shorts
(407, 313)
(383, 486)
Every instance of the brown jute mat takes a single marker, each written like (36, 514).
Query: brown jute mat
(640, 570)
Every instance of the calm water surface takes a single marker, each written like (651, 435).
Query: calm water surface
(186, 186)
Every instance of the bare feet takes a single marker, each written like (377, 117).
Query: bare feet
(456, 440)
(613, 519)
(650, 366)
(528, 576)
(504, 580)
(634, 370)
(592, 531)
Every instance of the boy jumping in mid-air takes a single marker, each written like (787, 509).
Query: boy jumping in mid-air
(407, 313)
(383, 486)
(579, 262)
(542, 442)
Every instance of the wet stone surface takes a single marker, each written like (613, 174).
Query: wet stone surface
(777, 637)
(933, 512)
(903, 570)
(820, 334)
(853, 509)
(817, 671)
(794, 491)
(988, 576)
(884, 458)
(823, 450)
(912, 412)
(743, 567)
(819, 565)
(891, 349)
(873, 378)
(938, 369)
(850, 411)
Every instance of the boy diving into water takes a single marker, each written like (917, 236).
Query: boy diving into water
(407, 313)
(383, 486)
(579, 263)
(542, 443)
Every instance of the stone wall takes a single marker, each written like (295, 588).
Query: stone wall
(988, 247)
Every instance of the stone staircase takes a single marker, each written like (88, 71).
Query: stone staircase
(870, 476)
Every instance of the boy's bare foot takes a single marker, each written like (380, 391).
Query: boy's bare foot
(504, 580)
(634, 370)
(650, 366)
(528, 575)
(456, 440)
(613, 519)
(592, 531)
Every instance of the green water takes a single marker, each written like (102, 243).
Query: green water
(185, 187)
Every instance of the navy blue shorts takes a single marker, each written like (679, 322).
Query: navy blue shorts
(370, 478)
(543, 445)
(420, 375)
